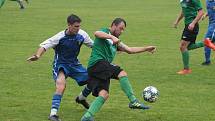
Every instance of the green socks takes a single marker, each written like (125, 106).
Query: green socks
(185, 55)
(99, 101)
(126, 87)
(185, 58)
(95, 106)
(196, 45)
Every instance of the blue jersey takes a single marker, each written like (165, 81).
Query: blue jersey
(67, 47)
(211, 10)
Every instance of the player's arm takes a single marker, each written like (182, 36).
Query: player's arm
(196, 20)
(87, 40)
(49, 43)
(37, 55)
(103, 35)
(178, 19)
(132, 50)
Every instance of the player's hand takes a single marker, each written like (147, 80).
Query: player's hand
(204, 16)
(151, 49)
(191, 26)
(33, 58)
(115, 39)
(175, 25)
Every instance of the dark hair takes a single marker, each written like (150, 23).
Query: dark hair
(117, 21)
(71, 19)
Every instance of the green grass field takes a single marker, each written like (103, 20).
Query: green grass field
(26, 89)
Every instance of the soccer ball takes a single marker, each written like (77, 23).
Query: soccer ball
(150, 94)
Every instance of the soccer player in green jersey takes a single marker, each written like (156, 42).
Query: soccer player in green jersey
(192, 13)
(101, 70)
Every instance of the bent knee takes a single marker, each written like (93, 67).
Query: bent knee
(184, 45)
(122, 73)
(104, 94)
(60, 87)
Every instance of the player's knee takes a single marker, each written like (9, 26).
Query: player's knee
(122, 73)
(60, 90)
(104, 94)
(183, 47)
(60, 87)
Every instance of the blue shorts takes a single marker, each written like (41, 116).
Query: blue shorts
(76, 72)
(211, 32)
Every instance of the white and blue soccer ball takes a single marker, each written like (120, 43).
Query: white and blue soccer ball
(150, 94)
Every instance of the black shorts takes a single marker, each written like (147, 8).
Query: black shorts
(190, 36)
(100, 75)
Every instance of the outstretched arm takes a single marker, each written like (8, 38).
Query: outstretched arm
(133, 50)
(37, 55)
(49, 43)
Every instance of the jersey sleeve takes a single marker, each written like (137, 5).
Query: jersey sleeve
(104, 30)
(197, 4)
(87, 40)
(53, 41)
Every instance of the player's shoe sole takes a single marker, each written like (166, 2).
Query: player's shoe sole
(184, 71)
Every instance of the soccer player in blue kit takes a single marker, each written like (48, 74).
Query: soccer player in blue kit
(66, 45)
(210, 35)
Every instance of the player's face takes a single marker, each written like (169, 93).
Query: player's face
(74, 28)
(119, 29)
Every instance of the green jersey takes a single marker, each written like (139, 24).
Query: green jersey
(190, 9)
(103, 49)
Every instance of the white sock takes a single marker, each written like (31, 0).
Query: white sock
(81, 96)
(53, 112)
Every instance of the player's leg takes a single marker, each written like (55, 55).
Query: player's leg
(82, 97)
(95, 106)
(20, 2)
(99, 81)
(185, 57)
(209, 37)
(210, 34)
(207, 52)
(127, 89)
(1, 3)
(196, 45)
(188, 37)
(191, 36)
(80, 75)
(56, 100)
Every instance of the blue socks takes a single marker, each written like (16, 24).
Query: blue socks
(86, 91)
(56, 103)
(207, 54)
